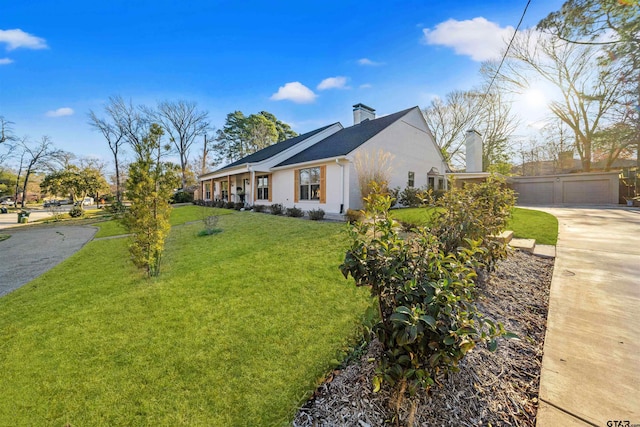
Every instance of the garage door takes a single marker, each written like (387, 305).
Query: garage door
(589, 192)
(535, 193)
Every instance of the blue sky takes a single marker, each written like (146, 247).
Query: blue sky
(307, 62)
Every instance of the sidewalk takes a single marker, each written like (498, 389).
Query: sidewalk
(591, 364)
(11, 219)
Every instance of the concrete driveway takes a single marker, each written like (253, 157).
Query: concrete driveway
(31, 251)
(591, 364)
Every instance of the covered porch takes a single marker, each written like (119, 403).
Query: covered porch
(247, 187)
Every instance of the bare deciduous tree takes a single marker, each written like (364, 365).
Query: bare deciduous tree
(33, 158)
(203, 162)
(588, 91)
(488, 113)
(6, 130)
(6, 137)
(114, 134)
(183, 123)
(131, 121)
(585, 22)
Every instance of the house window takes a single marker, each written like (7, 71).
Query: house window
(309, 187)
(432, 183)
(434, 179)
(263, 187)
(207, 191)
(411, 180)
(224, 189)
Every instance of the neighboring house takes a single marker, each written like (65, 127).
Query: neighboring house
(316, 169)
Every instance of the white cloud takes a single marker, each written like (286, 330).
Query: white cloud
(338, 82)
(478, 38)
(5, 61)
(60, 112)
(18, 38)
(368, 62)
(296, 92)
(366, 86)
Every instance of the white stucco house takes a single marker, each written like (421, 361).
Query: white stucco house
(316, 169)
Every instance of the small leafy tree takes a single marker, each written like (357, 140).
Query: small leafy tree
(75, 182)
(210, 225)
(149, 187)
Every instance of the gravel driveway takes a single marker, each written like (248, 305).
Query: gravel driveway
(29, 252)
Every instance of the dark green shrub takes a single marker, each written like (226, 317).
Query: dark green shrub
(394, 193)
(425, 295)
(412, 197)
(116, 208)
(316, 214)
(295, 212)
(352, 216)
(259, 208)
(228, 205)
(475, 212)
(238, 206)
(276, 209)
(76, 212)
(181, 197)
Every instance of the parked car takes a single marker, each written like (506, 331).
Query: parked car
(64, 202)
(48, 203)
(8, 201)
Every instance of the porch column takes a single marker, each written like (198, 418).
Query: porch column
(228, 188)
(213, 190)
(253, 184)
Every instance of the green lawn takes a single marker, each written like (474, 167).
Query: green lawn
(179, 216)
(415, 216)
(532, 224)
(237, 330)
(525, 223)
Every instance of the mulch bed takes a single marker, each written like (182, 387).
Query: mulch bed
(491, 389)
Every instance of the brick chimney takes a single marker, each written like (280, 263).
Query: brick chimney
(361, 113)
(473, 156)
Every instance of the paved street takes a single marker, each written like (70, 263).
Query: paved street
(31, 251)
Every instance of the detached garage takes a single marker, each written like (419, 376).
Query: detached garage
(598, 188)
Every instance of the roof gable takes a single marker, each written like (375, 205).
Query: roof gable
(346, 140)
(274, 149)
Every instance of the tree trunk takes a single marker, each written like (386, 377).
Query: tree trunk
(24, 187)
(118, 190)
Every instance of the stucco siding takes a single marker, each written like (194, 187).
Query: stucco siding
(354, 197)
(284, 188)
(409, 141)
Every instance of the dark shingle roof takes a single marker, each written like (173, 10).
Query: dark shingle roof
(346, 140)
(274, 149)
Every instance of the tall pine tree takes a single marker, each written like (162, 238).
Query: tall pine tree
(149, 187)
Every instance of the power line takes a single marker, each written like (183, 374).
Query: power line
(504, 56)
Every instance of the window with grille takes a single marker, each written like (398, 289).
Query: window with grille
(263, 187)
(309, 184)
